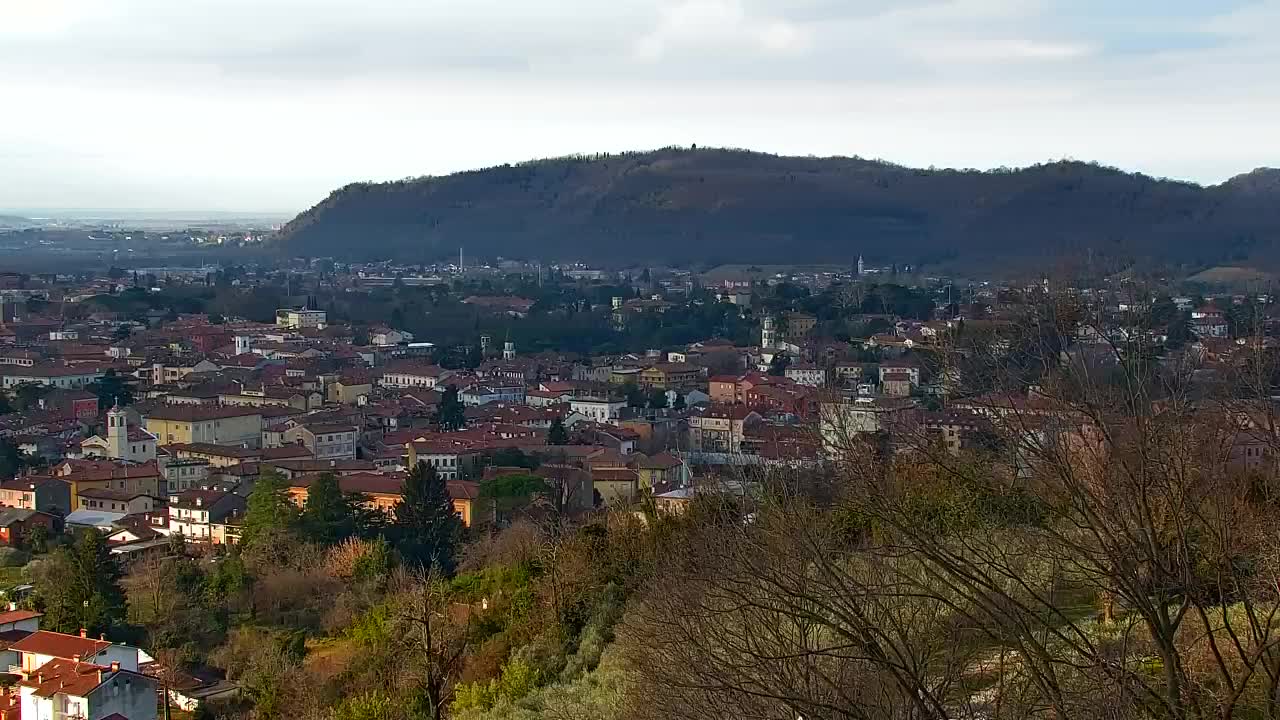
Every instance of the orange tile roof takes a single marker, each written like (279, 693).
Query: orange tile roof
(59, 645)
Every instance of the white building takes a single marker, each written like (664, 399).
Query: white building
(300, 318)
(803, 373)
(64, 677)
(123, 441)
(597, 409)
(408, 375)
(492, 393)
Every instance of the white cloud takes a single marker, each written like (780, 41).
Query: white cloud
(269, 104)
(717, 25)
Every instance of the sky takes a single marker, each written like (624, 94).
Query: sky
(269, 105)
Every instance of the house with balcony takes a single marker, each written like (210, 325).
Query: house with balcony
(195, 513)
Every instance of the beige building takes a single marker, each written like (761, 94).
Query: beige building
(300, 318)
(201, 424)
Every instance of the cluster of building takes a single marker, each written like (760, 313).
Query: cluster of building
(215, 402)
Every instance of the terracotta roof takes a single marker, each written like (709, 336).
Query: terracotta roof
(70, 677)
(13, 616)
(368, 483)
(60, 645)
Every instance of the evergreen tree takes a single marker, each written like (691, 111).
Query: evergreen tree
(79, 587)
(557, 434)
(329, 516)
(679, 403)
(268, 511)
(635, 396)
(10, 459)
(778, 367)
(657, 398)
(426, 528)
(113, 390)
(451, 415)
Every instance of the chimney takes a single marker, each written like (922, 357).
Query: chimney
(115, 666)
(40, 678)
(102, 637)
(84, 633)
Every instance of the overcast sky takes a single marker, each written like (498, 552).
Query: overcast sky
(270, 104)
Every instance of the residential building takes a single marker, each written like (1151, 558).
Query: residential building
(32, 653)
(195, 514)
(115, 501)
(200, 424)
(71, 689)
(300, 319)
(58, 376)
(598, 409)
(182, 474)
(806, 373)
(414, 375)
(483, 394)
(662, 469)
(671, 376)
(452, 460)
(382, 492)
(46, 494)
(349, 392)
(16, 523)
(326, 441)
(720, 428)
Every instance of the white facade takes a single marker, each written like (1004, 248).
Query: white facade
(597, 410)
(300, 319)
(412, 379)
(810, 376)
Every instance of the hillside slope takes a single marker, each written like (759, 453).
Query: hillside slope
(725, 205)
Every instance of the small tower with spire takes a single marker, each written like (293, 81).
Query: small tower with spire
(862, 267)
(508, 350)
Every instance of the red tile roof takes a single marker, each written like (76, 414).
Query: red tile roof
(59, 645)
(13, 616)
(69, 677)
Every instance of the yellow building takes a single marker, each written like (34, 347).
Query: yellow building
(670, 375)
(200, 424)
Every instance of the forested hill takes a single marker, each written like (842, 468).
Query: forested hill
(737, 206)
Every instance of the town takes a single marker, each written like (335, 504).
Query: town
(145, 412)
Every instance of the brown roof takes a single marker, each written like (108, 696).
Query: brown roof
(232, 451)
(314, 465)
(287, 452)
(60, 645)
(191, 499)
(322, 428)
(367, 483)
(9, 637)
(109, 494)
(189, 413)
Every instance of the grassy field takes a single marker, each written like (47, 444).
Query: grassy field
(10, 576)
